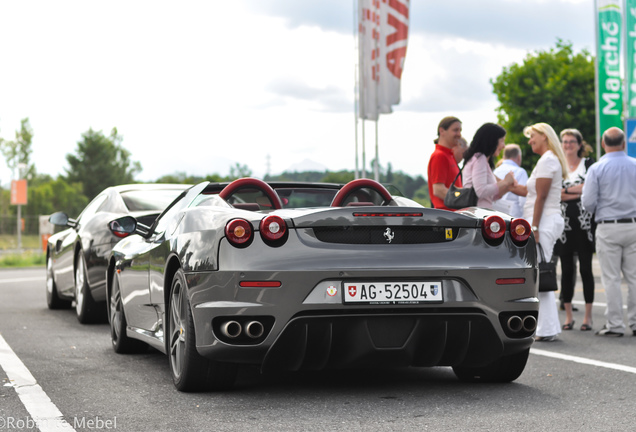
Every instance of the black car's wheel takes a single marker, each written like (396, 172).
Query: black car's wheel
(85, 306)
(505, 369)
(190, 371)
(53, 300)
(122, 344)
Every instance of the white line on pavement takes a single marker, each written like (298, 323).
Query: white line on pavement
(42, 410)
(583, 360)
(31, 279)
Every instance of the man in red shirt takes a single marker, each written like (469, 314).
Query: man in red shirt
(442, 167)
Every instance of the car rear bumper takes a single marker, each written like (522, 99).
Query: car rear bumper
(376, 340)
(470, 328)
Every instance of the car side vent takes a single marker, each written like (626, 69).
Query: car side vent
(385, 235)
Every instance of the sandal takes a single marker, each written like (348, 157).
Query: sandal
(586, 327)
(569, 326)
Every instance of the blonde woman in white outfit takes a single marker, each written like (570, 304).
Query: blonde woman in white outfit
(543, 211)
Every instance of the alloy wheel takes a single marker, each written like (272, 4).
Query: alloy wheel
(49, 276)
(115, 312)
(177, 328)
(79, 284)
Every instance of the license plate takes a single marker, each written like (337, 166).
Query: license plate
(392, 292)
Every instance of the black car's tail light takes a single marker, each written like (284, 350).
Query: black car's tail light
(273, 230)
(494, 227)
(239, 232)
(520, 230)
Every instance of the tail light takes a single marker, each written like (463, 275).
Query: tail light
(520, 230)
(494, 227)
(273, 230)
(120, 234)
(239, 232)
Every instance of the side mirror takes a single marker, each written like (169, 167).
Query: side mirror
(123, 227)
(62, 219)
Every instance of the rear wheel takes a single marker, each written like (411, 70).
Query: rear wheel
(85, 306)
(504, 369)
(53, 300)
(122, 344)
(190, 371)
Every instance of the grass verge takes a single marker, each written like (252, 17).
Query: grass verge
(24, 259)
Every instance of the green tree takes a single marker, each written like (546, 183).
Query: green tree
(48, 196)
(100, 162)
(555, 87)
(239, 171)
(18, 152)
(338, 177)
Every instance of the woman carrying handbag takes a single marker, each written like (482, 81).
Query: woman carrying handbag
(543, 210)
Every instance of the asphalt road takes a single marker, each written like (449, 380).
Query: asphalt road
(581, 382)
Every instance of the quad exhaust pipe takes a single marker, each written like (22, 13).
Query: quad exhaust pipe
(529, 323)
(233, 329)
(254, 329)
(515, 323)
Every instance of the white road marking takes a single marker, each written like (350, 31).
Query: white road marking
(42, 410)
(583, 360)
(31, 279)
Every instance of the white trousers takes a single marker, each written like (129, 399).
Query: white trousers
(616, 250)
(550, 230)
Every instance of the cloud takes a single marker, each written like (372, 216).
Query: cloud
(517, 23)
(330, 15)
(193, 85)
(331, 98)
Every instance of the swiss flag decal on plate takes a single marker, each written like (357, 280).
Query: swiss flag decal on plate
(352, 290)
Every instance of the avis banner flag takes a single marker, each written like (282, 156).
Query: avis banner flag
(609, 16)
(383, 35)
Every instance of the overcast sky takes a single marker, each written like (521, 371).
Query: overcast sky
(197, 86)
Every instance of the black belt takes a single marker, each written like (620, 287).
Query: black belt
(626, 220)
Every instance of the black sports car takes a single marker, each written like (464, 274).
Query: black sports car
(76, 258)
(313, 276)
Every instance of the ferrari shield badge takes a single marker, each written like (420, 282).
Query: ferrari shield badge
(449, 233)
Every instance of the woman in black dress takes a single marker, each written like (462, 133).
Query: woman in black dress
(578, 236)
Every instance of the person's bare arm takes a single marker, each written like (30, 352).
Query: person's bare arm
(439, 190)
(521, 190)
(543, 188)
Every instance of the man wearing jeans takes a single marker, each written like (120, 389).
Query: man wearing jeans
(609, 192)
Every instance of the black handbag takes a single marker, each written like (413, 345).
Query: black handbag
(459, 198)
(547, 273)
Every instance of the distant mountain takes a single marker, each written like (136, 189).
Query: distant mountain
(306, 165)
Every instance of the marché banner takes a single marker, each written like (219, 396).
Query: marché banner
(630, 61)
(609, 86)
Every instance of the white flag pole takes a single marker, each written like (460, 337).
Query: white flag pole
(364, 155)
(376, 174)
(356, 84)
(377, 153)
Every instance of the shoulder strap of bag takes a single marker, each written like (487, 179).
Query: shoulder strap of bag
(541, 252)
(458, 174)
